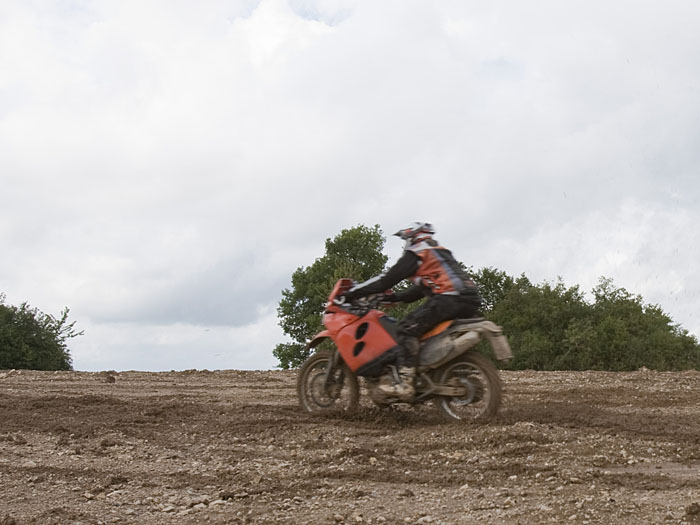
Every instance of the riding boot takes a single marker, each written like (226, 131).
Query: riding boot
(403, 390)
(407, 373)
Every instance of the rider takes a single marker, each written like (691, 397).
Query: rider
(436, 274)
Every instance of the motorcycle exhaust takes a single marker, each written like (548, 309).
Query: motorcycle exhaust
(446, 349)
(440, 351)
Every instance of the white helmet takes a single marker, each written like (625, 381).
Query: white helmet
(414, 229)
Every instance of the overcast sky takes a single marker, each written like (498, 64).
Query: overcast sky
(166, 165)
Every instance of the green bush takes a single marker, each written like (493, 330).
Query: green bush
(30, 339)
(550, 326)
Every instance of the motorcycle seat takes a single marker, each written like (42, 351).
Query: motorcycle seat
(447, 324)
(470, 320)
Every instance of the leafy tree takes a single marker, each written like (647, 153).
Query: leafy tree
(629, 334)
(355, 253)
(493, 285)
(550, 326)
(535, 318)
(31, 339)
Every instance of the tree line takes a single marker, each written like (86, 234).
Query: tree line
(550, 326)
(31, 339)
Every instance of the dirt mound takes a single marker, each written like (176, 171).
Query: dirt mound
(233, 447)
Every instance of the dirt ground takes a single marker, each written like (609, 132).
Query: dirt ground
(233, 447)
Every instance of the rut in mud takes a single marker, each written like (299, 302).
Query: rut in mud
(233, 447)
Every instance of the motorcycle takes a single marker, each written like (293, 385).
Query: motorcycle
(362, 341)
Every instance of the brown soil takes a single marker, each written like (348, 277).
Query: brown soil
(233, 447)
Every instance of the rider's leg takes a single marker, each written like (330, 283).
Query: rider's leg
(435, 310)
(402, 389)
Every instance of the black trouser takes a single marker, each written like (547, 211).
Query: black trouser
(435, 310)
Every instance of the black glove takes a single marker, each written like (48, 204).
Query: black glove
(349, 297)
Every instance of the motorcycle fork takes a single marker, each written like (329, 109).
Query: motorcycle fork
(329, 381)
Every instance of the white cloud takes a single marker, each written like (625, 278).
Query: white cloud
(170, 165)
(129, 346)
(647, 249)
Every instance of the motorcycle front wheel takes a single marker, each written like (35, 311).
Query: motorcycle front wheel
(483, 385)
(319, 392)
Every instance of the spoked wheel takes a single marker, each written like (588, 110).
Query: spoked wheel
(319, 393)
(483, 385)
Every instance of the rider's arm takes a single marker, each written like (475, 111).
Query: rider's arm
(404, 268)
(410, 294)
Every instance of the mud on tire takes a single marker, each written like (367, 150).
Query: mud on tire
(483, 383)
(342, 395)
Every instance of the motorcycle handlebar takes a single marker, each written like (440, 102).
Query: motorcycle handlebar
(369, 302)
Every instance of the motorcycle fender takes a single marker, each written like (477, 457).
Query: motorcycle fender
(499, 343)
(501, 347)
(318, 338)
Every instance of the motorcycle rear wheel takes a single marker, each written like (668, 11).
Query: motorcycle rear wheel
(480, 377)
(342, 394)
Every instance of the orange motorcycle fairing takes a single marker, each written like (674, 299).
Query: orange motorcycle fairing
(342, 286)
(367, 343)
(325, 334)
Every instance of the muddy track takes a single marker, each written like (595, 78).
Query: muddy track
(233, 447)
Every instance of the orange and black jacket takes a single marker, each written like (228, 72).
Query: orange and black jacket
(431, 267)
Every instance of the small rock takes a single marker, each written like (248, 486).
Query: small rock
(109, 442)
(7, 520)
(338, 518)
(693, 510)
(195, 500)
(117, 480)
(408, 493)
(89, 495)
